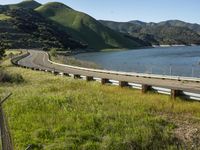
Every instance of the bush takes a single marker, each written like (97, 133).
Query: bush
(45, 49)
(2, 51)
(11, 78)
(53, 52)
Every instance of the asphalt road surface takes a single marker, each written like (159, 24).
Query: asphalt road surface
(39, 59)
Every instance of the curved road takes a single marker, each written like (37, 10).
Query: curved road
(39, 59)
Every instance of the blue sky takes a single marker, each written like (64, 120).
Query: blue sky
(125, 10)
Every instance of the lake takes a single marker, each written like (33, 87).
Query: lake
(178, 61)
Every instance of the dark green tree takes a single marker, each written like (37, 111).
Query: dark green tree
(2, 50)
(3, 47)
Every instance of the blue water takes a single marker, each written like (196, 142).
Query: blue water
(181, 61)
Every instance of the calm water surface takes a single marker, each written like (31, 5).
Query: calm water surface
(181, 61)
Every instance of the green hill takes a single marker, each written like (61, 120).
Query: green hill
(85, 27)
(25, 28)
(30, 4)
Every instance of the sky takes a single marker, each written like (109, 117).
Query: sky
(126, 10)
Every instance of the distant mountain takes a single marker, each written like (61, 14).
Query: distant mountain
(137, 22)
(86, 28)
(168, 32)
(178, 23)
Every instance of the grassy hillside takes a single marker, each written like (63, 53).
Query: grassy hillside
(169, 32)
(85, 27)
(4, 17)
(24, 28)
(52, 112)
(29, 4)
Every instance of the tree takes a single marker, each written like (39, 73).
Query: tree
(2, 50)
(53, 52)
(3, 47)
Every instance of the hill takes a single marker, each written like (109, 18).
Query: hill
(86, 28)
(57, 25)
(178, 23)
(137, 22)
(29, 4)
(167, 32)
(25, 28)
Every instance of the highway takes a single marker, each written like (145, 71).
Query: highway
(40, 60)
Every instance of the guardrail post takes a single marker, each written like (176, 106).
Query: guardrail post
(145, 88)
(104, 81)
(76, 76)
(123, 83)
(175, 93)
(89, 78)
(55, 72)
(65, 74)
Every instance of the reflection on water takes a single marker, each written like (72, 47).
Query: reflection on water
(181, 61)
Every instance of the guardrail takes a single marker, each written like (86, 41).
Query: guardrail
(143, 87)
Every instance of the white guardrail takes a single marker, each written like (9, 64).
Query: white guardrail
(161, 90)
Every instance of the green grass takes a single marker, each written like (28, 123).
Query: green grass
(4, 17)
(84, 27)
(57, 113)
(70, 60)
(13, 52)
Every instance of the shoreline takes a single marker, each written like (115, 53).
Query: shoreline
(80, 51)
(173, 45)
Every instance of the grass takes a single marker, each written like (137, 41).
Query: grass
(56, 113)
(70, 60)
(4, 17)
(6, 77)
(12, 52)
(11, 78)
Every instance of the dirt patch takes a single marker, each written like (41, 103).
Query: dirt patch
(187, 130)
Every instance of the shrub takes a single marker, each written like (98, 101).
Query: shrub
(2, 51)
(11, 78)
(53, 52)
(45, 49)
